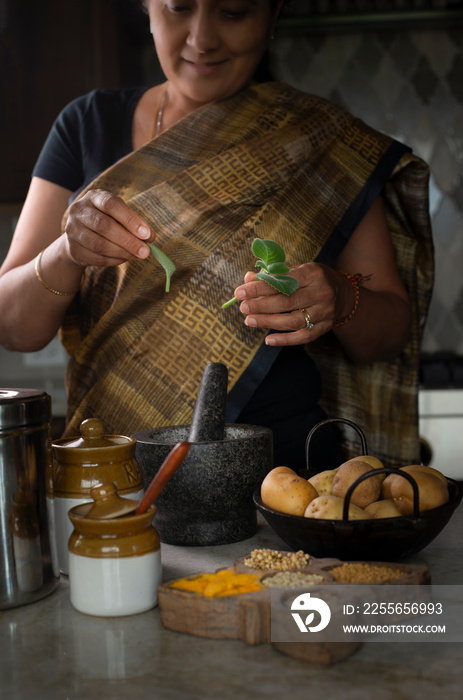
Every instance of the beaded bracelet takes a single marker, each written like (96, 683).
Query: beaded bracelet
(356, 282)
(44, 284)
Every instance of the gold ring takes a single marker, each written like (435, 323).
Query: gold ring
(308, 320)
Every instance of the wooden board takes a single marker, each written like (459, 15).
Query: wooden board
(247, 616)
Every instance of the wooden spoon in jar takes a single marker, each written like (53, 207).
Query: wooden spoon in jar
(108, 504)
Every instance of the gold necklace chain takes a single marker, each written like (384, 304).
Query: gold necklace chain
(157, 123)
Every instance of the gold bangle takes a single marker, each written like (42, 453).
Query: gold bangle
(44, 284)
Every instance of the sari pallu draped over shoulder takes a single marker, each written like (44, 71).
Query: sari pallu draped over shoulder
(270, 162)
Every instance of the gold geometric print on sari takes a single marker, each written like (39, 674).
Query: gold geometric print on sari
(271, 163)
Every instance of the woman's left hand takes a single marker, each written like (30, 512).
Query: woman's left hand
(324, 294)
(377, 328)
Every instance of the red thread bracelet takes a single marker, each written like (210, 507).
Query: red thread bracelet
(356, 282)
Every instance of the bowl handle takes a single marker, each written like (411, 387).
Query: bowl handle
(384, 470)
(335, 420)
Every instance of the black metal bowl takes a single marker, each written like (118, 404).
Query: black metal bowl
(382, 539)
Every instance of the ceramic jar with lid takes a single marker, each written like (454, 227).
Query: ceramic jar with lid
(81, 463)
(114, 563)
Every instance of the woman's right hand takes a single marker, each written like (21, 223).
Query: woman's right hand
(102, 230)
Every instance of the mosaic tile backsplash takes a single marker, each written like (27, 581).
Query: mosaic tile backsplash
(408, 84)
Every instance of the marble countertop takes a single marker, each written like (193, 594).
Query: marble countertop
(49, 650)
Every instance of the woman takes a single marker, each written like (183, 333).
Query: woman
(218, 160)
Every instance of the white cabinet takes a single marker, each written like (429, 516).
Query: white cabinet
(441, 426)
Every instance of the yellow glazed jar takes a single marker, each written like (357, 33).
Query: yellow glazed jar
(82, 462)
(114, 564)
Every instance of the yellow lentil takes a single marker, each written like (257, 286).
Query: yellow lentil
(358, 572)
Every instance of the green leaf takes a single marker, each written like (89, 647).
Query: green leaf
(165, 261)
(282, 283)
(277, 268)
(268, 251)
(271, 260)
(260, 263)
(229, 302)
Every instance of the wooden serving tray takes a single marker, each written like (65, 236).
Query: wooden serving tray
(242, 616)
(246, 616)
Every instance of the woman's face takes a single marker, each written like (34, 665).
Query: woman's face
(210, 49)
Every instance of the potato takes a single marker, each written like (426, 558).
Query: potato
(323, 482)
(422, 468)
(431, 490)
(283, 470)
(374, 463)
(331, 508)
(386, 493)
(383, 509)
(287, 492)
(410, 469)
(366, 492)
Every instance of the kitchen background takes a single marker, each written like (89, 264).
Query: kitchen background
(397, 64)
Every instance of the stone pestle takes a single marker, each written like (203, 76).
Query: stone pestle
(209, 500)
(208, 422)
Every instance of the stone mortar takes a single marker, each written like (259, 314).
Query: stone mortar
(208, 501)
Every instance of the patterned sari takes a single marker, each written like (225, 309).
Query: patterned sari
(270, 162)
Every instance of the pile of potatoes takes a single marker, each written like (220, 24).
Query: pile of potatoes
(378, 496)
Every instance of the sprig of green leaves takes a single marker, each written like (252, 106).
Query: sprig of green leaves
(165, 261)
(271, 261)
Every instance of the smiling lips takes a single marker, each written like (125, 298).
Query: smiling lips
(204, 68)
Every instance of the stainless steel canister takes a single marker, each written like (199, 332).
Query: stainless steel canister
(27, 572)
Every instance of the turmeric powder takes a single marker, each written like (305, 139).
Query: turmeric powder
(222, 583)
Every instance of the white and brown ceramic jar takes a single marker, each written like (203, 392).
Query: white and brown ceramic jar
(114, 564)
(81, 463)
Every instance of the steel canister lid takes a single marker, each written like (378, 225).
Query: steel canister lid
(20, 408)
